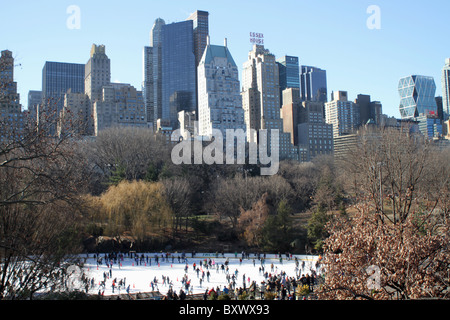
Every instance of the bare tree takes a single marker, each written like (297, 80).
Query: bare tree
(229, 196)
(178, 193)
(135, 149)
(39, 193)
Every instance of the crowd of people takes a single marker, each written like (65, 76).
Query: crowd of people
(199, 271)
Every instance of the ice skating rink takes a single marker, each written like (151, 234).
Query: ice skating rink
(146, 272)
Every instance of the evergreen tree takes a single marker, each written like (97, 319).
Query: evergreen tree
(117, 175)
(151, 174)
(316, 231)
(277, 232)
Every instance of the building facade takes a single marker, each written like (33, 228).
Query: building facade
(188, 124)
(342, 114)
(57, 79)
(313, 84)
(261, 101)
(76, 113)
(289, 73)
(313, 133)
(152, 74)
(430, 126)
(304, 120)
(446, 89)
(220, 101)
(260, 72)
(147, 84)
(12, 118)
(290, 112)
(178, 70)
(121, 105)
(417, 96)
(9, 97)
(34, 100)
(200, 25)
(368, 110)
(97, 73)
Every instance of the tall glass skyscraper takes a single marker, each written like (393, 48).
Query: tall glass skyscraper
(152, 85)
(446, 88)
(58, 78)
(313, 82)
(289, 72)
(417, 96)
(178, 70)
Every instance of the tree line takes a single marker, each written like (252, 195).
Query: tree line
(123, 162)
(382, 207)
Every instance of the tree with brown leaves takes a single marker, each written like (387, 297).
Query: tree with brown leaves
(395, 242)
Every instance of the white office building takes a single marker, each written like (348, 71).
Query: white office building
(219, 98)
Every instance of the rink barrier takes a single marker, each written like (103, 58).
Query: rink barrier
(209, 255)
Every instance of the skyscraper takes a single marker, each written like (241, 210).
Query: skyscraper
(260, 72)
(417, 96)
(170, 67)
(291, 112)
(178, 70)
(200, 23)
(97, 73)
(313, 84)
(261, 101)
(57, 79)
(304, 120)
(34, 100)
(200, 32)
(289, 73)
(152, 74)
(9, 98)
(11, 116)
(342, 114)
(147, 83)
(368, 110)
(446, 88)
(220, 101)
(440, 108)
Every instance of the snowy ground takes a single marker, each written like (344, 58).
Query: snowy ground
(138, 277)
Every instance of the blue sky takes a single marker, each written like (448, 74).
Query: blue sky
(330, 34)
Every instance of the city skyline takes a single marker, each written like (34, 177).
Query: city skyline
(334, 37)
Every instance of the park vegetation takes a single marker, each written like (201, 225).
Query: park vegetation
(378, 217)
(136, 190)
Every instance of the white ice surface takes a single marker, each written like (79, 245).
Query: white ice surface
(139, 277)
